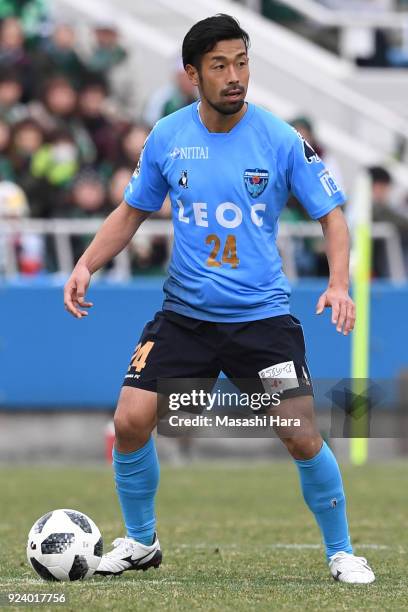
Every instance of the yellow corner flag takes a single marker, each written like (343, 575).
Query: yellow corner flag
(360, 365)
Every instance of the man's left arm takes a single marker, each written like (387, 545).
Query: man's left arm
(336, 296)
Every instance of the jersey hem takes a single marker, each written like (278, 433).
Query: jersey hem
(231, 318)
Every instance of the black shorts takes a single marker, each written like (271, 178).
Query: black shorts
(266, 351)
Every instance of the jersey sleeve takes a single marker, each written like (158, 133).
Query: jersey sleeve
(310, 181)
(147, 188)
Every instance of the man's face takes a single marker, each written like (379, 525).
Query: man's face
(64, 37)
(28, 139)
(10, 92)
(91, 101)
(89, 195)
(223, 76)
(61, 99)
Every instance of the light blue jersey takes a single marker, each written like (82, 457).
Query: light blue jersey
(227, 191)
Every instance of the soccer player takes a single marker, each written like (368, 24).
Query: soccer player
(229, 167)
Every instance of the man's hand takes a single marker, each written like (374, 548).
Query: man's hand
(112, 237)
(74, 292)
(343, 309)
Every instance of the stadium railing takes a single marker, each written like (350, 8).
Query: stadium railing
(346, 17)
(61, 231)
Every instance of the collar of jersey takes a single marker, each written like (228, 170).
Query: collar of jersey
(237, 127)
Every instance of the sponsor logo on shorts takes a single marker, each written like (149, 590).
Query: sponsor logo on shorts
(279, 377)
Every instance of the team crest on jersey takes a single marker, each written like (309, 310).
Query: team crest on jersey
(183, 182)
(256, 181)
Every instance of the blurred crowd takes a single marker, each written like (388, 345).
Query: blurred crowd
(68, 144)
(69, 139)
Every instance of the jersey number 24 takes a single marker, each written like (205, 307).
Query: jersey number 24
(229, 253)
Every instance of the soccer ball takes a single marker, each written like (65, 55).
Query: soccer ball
(64, 545)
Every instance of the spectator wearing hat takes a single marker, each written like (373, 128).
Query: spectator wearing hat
(107, 52)
(108, 60)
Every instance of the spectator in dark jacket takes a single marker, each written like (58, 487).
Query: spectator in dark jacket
(57, 56)
(87, 200)
(92, 113)
(11, 93)
(387, 211)
(6, 169)
(107, 51)
(26, 139)
(13, 54)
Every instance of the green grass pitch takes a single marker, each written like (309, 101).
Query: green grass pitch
(234, 537)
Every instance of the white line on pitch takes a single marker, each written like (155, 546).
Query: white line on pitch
(277, 545)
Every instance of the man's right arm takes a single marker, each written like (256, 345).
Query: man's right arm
(114, 234)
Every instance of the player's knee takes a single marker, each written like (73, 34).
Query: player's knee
(122, 425)
(304, 447)
(135, 416)
(132, 425)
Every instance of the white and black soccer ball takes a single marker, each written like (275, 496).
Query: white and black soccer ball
(64, 545)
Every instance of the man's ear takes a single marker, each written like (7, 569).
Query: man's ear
(192, 74)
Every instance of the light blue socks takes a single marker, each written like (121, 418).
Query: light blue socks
(323, 492)
(137, 479)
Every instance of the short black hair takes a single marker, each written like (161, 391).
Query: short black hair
(205, 34)
(380, 175)
(94, 82)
